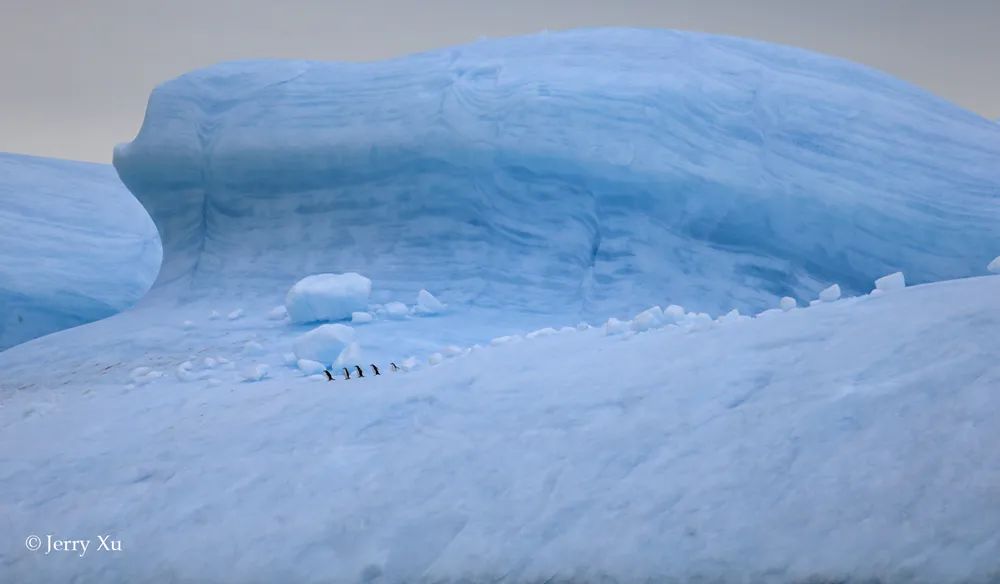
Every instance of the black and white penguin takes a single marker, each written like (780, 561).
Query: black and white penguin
(347, 374)
(375, 369)
(394, 366)
(360, 372)
(329, 377)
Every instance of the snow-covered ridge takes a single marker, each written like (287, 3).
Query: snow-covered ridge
(75, 246)
(588, 173)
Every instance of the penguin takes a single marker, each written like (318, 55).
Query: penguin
(347, 374)
(394, 366)
(360, 372)
(328, 376)
(375, 369)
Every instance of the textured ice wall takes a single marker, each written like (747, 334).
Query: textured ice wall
(75, 246)
(591, 171)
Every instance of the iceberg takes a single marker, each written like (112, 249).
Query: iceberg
(75, 246)
(585, 173)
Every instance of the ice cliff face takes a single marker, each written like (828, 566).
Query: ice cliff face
(590, 172)
(75, 246)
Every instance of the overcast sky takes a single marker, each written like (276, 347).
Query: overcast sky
(75, 74)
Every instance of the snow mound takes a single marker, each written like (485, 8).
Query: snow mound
(994, 266)
(788, 303)
(324, 343)
(322, 297)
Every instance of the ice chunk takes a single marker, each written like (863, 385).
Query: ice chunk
(452, 351)
(435, 358)
(396, 310)
(674, 313)
(236, 314)
(409, 364)
(648, 319)
(890, 283)
(310, 367)
(994, 266)
(615, 327)
(541, 333)
(428, 304)
(830, 294)
(731, 317)
(253, 348)
(361, 317)
(214, 315)
(253, 372)
(322, 297)
(324, 343)
(289, 359)
(582, 326)
(770, 312)
(788, 303)
(504, 340)
(351, 355)
(697, 321)
(277, 313)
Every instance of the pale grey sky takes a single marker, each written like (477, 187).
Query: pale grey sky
(75, 74)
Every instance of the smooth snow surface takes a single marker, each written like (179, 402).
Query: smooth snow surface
(579, 174)
(75, 246)
(846, 442)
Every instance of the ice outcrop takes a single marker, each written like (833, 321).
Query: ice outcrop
(581, 173)
(75, 246)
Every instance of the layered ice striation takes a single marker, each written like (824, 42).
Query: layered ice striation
(589, 173)
(75, 246)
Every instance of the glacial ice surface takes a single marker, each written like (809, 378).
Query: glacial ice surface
(75, 246)
(584, 173)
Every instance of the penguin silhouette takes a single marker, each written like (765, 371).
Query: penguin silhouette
(394, 366)
(328, 376)
(375, 369)
(360, 372)
(347, 374)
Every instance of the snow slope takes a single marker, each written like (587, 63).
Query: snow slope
(846, 442)
(75, 246)
(583, 173)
